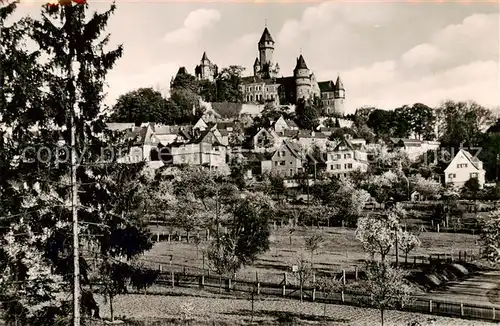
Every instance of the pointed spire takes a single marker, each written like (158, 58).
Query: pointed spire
(339, 85)
(256, 63)
(301, 63)
(266, 37)
(204, 57)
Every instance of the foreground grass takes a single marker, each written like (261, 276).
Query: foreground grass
(204, 308)
(340, 251)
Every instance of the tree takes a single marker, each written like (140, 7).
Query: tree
(378, 234)
(472, 187)
(408, 242)
(329, 285)
(141, 105)
(313, 243)
(228, 83)
(462, 123)
(307, 114)
(304, 272)
(248, 233)
(422, 121)
(426, 187)
(74, 67)
(387, 287)
(490, 237)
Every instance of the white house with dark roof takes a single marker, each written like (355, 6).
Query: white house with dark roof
(346, 157)
(463, 167)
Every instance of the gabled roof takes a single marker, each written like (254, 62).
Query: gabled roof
(225, 124)
(291, 123)
(266, 37)
(310, 134)
(474, 160)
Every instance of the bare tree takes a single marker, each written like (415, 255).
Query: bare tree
(303, 273)
(313, 243)
(329, 285)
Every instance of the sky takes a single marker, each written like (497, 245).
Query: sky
(387, 53)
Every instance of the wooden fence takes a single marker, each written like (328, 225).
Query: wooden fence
(288, 289)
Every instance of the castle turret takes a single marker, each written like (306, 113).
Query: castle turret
(266, 53)
(256, 67)
(206, 69)
(302, 79)
(339, 97)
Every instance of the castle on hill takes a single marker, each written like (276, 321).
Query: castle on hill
(266, 84)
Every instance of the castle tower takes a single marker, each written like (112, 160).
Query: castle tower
(206, 69)
(302, 79)
(266, 53)
(339, 93)
(256, 67)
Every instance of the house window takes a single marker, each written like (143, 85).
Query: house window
(338, 166)
(216, 149)
(474, 175)
(282, 162)
(348, 155)
(276, 163)
(291, 172)
(282, 153)
(338, 156)
(348, 166)
(462, 165)
(332, 167)
(452, 175)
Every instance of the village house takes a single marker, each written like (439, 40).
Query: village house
(265, 140)
(205, 150)
(288, 160)
(414, 148)
(281, 125)
(346, 157)
(464, 166)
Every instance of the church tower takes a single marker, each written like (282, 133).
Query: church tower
(339, 97)
(302, 77)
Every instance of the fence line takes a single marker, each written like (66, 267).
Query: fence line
(286, 289)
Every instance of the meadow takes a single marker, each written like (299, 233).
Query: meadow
(340, 250)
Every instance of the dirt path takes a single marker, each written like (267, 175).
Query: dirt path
(482, 289)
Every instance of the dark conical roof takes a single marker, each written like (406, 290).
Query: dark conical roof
(301, 63)
(257, 62)
(266, 37)
(339, 85)
(204, 57)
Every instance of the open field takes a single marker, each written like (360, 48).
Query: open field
(340, 251)
(205, 308)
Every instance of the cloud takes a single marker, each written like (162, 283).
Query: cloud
(194, 24)
(158, 76)
(423, 54)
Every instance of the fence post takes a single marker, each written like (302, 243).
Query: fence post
(356, 273)
(202, 281)
(459, 256)
(158, 236)
(228, 285)
(168, 237)
(462, 309)
(342, 298)
(258, 283)
(159, 267)
(465, 256)
(172, 275)
(493, 313)
(178, 237)
(430, 306)
(343, 276)
(284, 283)
(414, 261)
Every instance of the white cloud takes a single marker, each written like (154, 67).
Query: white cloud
(194, 24)
(423, 54)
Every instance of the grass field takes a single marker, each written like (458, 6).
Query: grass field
(208, 309)
(340, 251)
